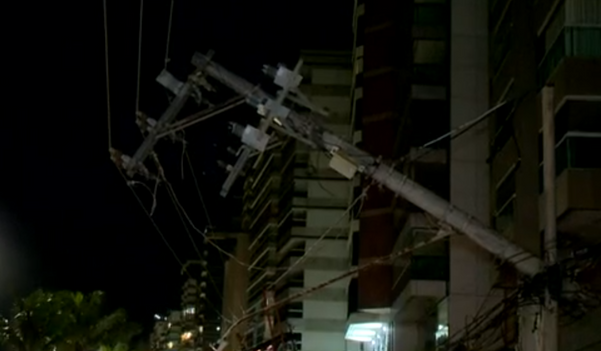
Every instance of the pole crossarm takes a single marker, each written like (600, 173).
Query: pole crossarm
(166, 118)
(306, 126)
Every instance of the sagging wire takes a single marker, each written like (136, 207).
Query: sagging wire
(154, 224)
(203, 115)
(169, 33)
(484, 317)
(106, 64)
(139, 56)
(203, 233)
(384, 260)
(320, 239)
(171, 193)
(153, 193)
(329, 229)
(184, 145)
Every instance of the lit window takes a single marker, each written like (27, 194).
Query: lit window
(359, 66)
(186, 336)
(170, 345)
(200, 329)
(189, 310)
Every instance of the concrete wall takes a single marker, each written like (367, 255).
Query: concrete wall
(471, 269)
(325, 312)
(234, 291)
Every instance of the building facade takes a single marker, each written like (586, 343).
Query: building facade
(533, 44)
(402, 98)
(295, 206)
(425, 67)
(167, 332)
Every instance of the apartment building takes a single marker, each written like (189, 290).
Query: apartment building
(534, 43)
(424, 67)
(158, 336)
(193, 310)
(202, 298)
(402, 99)
(294, 206)
(167, 332)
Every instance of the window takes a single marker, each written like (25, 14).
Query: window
(430, 74)
(504, 201)
(429, 15)
(503, 122)
(429, 268)
(428, 120)
(295, 310)
(360, 30)
(189, 310)
(296, 280)
(433, 176)
(502, 41)
(497, 11)
(429, 51)
(572, 151)
(297, 251)
(582, 42)
(296, 339)
(359, 66)
(355, 252)
(359, 114)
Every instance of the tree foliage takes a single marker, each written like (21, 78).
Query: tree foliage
(65, 321)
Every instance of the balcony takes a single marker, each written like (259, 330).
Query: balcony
(419, 279)
(569, 63)
(578, 185)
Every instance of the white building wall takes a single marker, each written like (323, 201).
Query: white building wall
(325, 312)
(472, 272)
(325, 218)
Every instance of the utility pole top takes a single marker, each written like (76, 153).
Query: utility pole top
(304, 127)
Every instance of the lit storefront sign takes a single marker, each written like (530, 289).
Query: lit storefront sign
(376, 334)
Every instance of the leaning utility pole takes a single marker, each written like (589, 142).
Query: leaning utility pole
(348, 160)
(550, 311)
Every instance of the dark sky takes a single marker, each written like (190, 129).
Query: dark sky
(67, 220)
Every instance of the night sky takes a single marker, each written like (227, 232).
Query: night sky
(67, 220)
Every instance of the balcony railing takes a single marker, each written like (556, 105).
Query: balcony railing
(575, 150)
(503, 219)
(422, 268)
(584, 42)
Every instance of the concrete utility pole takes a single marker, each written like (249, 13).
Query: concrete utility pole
(550, 312)
(348, 159)
(182, 92)
(246, 151)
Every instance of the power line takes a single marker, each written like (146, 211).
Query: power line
(169, 33)
(179, 214)
(139, 55)
(204, 235)
(198, 191)
(209, 222)
(171, 193)
(202, 116)
(425, 148)
(321, 237)
(106, 65)
(154, 224)
(296, 296)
